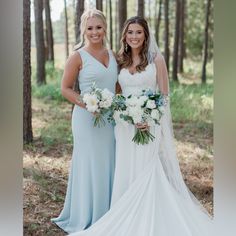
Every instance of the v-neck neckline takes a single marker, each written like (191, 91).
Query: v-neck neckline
(104, 66)
(132, 74)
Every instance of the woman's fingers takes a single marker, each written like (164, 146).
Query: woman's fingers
(142, 126)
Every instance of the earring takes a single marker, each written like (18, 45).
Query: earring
(126, 47)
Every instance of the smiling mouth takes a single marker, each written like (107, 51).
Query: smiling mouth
(95, 37)
(134, 42)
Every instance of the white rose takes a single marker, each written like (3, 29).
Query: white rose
(136, 113)
(151, 104)
(137, 119)
(141, 100)
(105, 103)
(155, 114)
(91, 102)
(107, 95)
(132, 111)
(161, 109)
(132, 101)
(86, 97)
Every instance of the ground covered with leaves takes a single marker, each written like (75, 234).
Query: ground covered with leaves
(47, 160)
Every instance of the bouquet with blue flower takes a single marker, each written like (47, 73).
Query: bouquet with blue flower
(145, 108)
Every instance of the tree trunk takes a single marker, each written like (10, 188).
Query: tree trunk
(99, 4)
(205, 46)
(74, 2)
(66, 31)
(182, 37)
(166, 34)
(149, 13)
(78, 13)
(49, 31)
(176, 41)
(122, 9)
(116, 26)
(27, 112)
(158, 22)
(111, 33)
(141, 8)
(107, 8)
(39, 39)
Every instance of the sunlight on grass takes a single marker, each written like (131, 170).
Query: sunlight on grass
(52, 89)
(59, 132)
(192, 102)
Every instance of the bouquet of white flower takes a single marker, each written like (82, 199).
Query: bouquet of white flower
(146, 108)
(98, 101)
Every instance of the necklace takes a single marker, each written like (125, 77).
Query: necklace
(132, 68)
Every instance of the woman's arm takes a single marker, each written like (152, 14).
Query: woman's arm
(71, 72)
(118, 88)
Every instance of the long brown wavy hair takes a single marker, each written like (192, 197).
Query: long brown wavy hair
(124, 57)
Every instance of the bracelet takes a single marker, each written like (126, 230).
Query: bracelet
(80, 100)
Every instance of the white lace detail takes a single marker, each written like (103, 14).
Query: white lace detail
(135, 83)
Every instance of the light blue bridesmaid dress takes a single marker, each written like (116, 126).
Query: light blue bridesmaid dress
(91, 174)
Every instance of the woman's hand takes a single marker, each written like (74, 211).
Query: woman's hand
(142, 126)
(79, 102)
(82, 105)
(95, 113)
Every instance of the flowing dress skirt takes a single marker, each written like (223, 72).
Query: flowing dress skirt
(90, 181)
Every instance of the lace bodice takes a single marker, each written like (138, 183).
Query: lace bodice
(135, 83)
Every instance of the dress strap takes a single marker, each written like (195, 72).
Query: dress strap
(111, 54)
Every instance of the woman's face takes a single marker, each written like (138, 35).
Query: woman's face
(94, 31)
(135, 36)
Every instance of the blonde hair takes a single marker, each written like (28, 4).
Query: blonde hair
(124, 55)
(84, 18)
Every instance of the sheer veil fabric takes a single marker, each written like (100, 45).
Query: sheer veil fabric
(167, 149)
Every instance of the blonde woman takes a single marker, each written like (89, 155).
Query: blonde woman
(91, 175)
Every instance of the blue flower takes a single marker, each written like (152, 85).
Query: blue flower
(159, 102)
(148, 92)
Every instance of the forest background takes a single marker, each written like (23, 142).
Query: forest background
(184, 32)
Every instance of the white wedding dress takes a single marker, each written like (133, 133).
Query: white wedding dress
(149, 196)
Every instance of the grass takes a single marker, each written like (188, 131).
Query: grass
(51, 90)
(52, 129)
(47, 159)
(192, 102)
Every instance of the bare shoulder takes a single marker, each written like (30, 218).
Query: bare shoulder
(159, 59)
(74, 59)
